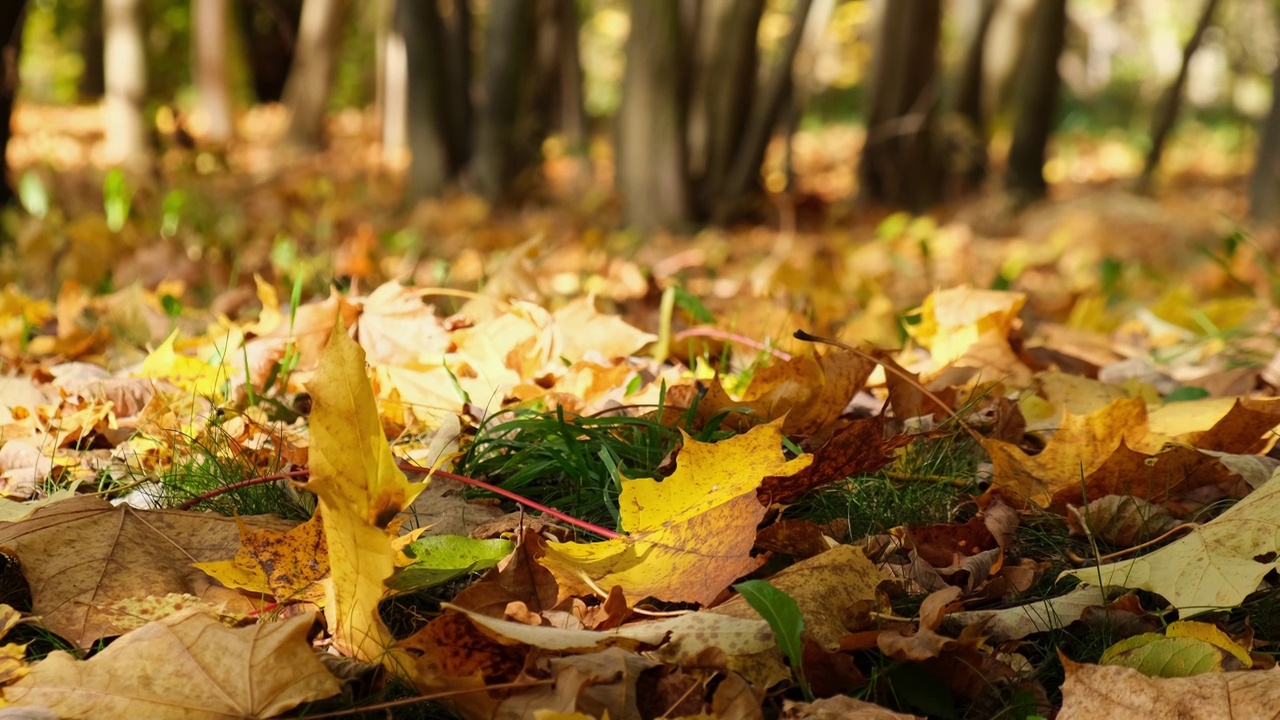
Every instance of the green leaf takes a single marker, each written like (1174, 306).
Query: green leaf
(783, 615)
(441, 558)
(1184, 394)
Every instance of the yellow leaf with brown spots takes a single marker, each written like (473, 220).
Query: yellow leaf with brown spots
(286, 565)
(689, 536)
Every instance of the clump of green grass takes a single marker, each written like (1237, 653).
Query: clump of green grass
(573, 463)
(213, 461)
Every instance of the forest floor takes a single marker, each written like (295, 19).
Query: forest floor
(998, 435)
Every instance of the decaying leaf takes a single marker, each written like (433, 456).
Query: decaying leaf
(1098, 692)
(188, 666)
(1214, 565)
(82, 556)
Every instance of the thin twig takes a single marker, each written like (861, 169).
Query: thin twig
(1079, 561)
(411, 467)
(718, 334)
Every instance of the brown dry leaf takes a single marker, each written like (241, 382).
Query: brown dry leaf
(442, 510)
(519, 578)
(925, 643)
(22, 468)
(1214, 565)
(690, 535)
(81, 556)
(1019, 621)
(797, 538)
(1178, 477)
(841, 707)
(703, 639)
(601, 684)
(187, 667)
(1100, 692)
(858, 448)
(811, 391)
(1080, 446)
(1120, 520)
(1241, 426)
(830, 589)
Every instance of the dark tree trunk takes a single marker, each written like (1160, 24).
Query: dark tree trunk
(458, 110)
(93, 82)
(558, 86)
(270, 30)
(1167, 111)
(900, 160)
(1038, 88)
(508, 55)
(432, 165)
(971, 135)
(721, 93)
(1264, 184)
(650, 147)
(765, 114)
(11, 17)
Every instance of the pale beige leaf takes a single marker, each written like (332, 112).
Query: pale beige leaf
(186, 667)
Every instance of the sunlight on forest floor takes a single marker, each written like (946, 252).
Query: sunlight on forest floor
(211, 218)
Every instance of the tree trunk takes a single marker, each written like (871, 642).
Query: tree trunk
(459, 110)
(12, 15)
(1167, 111)
(967, 105)
(1264, 184)
(393, 84)
(306, 93)
(213, 89)
(559, 74)
(1038, 90)
(765, 113)
(125, 66)
(650, 147)
(900, 163)
(270, 29)
(721, 94)
(430, 167)
(508, 63)
(92, 83)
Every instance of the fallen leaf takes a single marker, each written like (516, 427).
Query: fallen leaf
(1212, 566)
(1099, 692)
(360, 491)
(188, 666)
(689, 536)
(81, 556)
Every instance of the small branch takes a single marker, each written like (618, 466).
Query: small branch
(718, 334)
(411, 467)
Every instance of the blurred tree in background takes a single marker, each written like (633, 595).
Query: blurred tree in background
(678, 101)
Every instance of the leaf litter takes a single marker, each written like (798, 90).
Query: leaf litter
(1086, 498)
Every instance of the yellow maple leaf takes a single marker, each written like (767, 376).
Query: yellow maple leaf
(952, 320)
(189, 373)
(360, 491)
(285, 564)
(689, 536)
